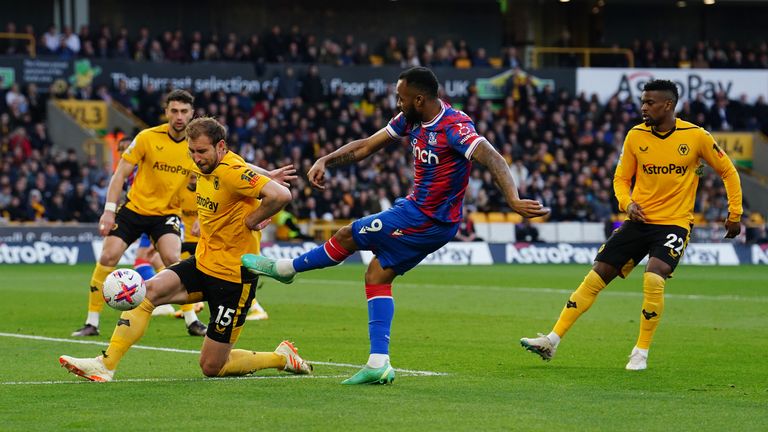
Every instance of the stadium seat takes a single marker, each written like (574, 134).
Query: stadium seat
(478, 217)
(376, 60)
(514, 218)
(463, 63)
(495, 217)
(495, 62)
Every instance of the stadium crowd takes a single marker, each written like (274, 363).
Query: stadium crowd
(276, 45)
(561, 148)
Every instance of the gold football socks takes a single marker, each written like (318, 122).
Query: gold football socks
(130, 328)
(653, 307)
(579, 302)
(243, 362)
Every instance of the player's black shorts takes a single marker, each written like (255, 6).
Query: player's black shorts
(229, 302)
(189, 247)
(632, 241)
(130, 225)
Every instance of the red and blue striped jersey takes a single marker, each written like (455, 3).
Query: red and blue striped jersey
(442, 152)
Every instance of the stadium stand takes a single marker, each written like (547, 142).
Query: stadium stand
(561, 147)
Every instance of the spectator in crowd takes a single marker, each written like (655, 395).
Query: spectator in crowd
(526, 232)
(561, 147)
(466, 232)
(51, 40)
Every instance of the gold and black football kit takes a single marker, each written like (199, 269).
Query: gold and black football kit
(152, 205)
(664, 168)
(224, 198)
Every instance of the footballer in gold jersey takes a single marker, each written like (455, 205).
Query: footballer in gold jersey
(662, 156)
(232, 200)
(161, 159)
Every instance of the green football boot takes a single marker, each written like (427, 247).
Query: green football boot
(369, 375)
(262, 265)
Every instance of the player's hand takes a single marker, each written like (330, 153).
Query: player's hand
(316, 175)
(195, 230)
(732, 229)
(635, 213)
(529, 208)
(261, 225)
(283, 175)
(106, 222)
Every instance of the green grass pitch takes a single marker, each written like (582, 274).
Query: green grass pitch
(456, 331)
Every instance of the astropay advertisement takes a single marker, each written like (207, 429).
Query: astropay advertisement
(625, 82)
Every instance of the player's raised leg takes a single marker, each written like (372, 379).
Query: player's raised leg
(329, 254)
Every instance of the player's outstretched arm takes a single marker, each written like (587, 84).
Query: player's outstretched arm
(488, 156)
(347, 154)
(273, 198)
(107, 220)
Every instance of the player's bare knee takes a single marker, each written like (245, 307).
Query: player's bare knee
(109, 259)
(153, 292)
(344, 237)
(210, 368)
(606, 271)
(658, 267)
(170, 257)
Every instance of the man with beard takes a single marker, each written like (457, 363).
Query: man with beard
(163, 161)
(444, 142)
(662, 155)
(234, 203)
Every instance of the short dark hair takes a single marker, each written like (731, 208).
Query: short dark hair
(422, 79)
(182, 96)
(663, 85)
(207, 126)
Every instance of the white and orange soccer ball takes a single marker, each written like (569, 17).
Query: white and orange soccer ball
(124, 289)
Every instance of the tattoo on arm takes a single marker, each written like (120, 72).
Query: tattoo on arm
(343, 159)
(486, 155)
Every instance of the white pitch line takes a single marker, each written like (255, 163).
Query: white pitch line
(200, 379)
(545, 290)
(185, 351)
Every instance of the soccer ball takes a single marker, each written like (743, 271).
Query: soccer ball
(124, 289)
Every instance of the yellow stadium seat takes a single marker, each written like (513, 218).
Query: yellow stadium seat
(514, 218)
(494, 217)
(463, 63)
(478, 217)
(495, 62)
(376, 60)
